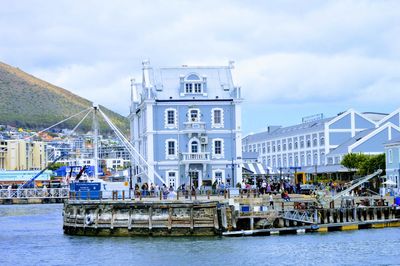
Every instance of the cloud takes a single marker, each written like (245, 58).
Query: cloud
(290, 78)
(286, 52)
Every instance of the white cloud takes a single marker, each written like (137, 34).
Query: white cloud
(285, 52)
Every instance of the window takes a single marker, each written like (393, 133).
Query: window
(194, 147)
(171, 147)
(301, 144)
(295, 145)
(217, 117)
(308, 143)
(189, 88)
(194, 115)
(290, 146)
(390, 157)
(197, 88)
(170, 117)
(284, 147)
(218, 147)
(315, 143)
(322, 141)
(193, 88)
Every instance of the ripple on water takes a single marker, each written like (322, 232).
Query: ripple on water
(37, 230)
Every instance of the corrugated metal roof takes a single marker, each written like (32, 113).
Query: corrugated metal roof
(310, 127)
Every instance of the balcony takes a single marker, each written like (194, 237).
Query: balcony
(195, 157)
(194, 126)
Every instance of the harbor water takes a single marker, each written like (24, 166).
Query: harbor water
(33, 235)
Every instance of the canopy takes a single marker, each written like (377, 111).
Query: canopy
(255, 168)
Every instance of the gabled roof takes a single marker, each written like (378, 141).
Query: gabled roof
(392, 114)
(344, 147)
(359, 139)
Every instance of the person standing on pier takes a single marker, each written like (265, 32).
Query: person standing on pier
(271, 201)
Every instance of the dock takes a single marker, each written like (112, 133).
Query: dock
(220, 215)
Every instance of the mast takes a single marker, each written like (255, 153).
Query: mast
(95, 141)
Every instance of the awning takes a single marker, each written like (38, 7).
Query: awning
(255, 168)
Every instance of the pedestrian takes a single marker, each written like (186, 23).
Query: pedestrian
(271, 201)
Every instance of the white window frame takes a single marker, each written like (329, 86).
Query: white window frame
(390, 156)
(190, 117)
(222, 171)
(217, 125)
(167, 155)
(218, 156)
(166, 124)
(167, 178)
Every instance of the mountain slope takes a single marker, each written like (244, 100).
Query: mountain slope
(26, 101)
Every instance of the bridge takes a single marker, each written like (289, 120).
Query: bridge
(303, 216)
(33, 195)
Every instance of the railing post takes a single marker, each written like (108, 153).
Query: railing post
(88, 195)
(195, 194)
(177, 194)
(224, 193)
(161, 194)
(229, 193)
(123, 194)
(140, 195)
(208, 194)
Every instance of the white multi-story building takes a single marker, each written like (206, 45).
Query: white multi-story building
(319, 144)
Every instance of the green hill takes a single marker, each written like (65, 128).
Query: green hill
(29, 102)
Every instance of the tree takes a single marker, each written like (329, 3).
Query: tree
(56, 166)
(365, 164)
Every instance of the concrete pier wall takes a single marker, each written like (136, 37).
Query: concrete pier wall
(117, 218)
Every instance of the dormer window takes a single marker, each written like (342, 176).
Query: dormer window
(193, 84)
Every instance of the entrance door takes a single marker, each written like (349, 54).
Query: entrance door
(194, 175)
(171, 180)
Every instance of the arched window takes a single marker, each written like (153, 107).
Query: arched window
(194, 147)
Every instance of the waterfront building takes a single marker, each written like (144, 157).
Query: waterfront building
(318, 144)
(22, 155)
(186, 123)
(392, 152)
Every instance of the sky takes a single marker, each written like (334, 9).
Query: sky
(292, 58)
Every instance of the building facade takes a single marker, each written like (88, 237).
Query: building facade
(392, 152)
(318, 144)
(186, 123)
(22, 155)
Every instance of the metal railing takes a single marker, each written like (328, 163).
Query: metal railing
(299, 216)
(201, 156)
(40, 193)
(195, 125)
(154, 195)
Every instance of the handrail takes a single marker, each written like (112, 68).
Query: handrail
(27, 193)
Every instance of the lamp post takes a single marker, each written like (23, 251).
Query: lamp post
(232, 166)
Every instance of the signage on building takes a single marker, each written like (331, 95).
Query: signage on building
(312, 118)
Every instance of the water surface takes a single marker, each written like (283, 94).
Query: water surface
(32, 235)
